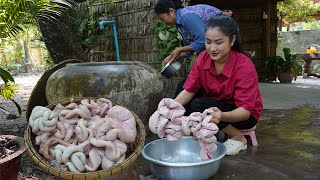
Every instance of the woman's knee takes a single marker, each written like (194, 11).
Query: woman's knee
(222, 124)
(198, 105)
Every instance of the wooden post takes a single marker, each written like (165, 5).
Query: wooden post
(267, 27)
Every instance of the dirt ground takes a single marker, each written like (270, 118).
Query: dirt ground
(26, 83)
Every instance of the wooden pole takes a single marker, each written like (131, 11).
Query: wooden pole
(267, 27)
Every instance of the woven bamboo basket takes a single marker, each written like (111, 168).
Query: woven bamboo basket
(136, 149)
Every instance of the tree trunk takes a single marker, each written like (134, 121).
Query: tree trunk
(16, 53)
(28, 61)
(61, 41)
(26, 51)
(40, 57)
(280, 23)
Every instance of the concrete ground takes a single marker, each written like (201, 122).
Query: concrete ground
(287, 96)
(288, 137)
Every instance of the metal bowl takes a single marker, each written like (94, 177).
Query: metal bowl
(171, 68)
(181, 159)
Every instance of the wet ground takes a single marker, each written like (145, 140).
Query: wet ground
(288, 135)
(289, 143)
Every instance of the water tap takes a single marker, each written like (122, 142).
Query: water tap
(104, 22)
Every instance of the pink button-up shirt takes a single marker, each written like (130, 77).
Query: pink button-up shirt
(236, 84)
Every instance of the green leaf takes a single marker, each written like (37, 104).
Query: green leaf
(6, 76)
(173, 28)
(14, 13)
(174, 40)
(17, 105)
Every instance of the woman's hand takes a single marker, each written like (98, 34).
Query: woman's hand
(166, 60)
(216, 115)
(176, 53)
(172, 57)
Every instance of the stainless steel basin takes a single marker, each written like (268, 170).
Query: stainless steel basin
(181, 159)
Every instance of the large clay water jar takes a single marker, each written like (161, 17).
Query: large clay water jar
(133, 84)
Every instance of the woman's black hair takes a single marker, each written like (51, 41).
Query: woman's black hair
(228, 26)
(162, 6)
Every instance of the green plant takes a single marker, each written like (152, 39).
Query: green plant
(166, 44)
(15, 13)
(84, 21)
(316, 68)
(289, 11)
(277, 64)
(48, 61)
(7, 89)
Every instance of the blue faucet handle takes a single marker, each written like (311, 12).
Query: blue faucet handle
(104, 22)
(101, 24)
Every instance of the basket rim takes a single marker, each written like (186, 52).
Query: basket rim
(40, 161)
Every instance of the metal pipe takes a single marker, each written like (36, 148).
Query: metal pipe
(113, 23)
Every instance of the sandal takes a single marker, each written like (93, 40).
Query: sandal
(234, 147)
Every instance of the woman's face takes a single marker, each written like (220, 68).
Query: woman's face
(168, 18)
(218, 45)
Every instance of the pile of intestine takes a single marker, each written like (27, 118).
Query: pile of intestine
(83, 137)
(168, 121)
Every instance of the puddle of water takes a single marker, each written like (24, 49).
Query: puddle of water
(298, 126)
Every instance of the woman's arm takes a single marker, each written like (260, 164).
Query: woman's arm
(184, 97)
(239, 114)
(196, 27)
(177, 52)
(236, 115)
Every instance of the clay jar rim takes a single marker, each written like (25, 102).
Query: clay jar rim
(21, 149)
(104, 63)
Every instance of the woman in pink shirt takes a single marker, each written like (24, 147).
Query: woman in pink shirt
(229, 80)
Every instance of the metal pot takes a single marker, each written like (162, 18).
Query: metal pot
(171, 68)
(181, 159)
